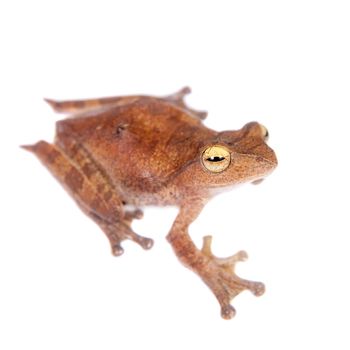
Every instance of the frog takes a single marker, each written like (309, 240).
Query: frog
(116, 155)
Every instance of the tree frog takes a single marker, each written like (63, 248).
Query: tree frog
(114, 153)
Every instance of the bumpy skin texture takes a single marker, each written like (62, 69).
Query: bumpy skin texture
(142, 150)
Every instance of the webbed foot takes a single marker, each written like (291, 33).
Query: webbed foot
(222, 280)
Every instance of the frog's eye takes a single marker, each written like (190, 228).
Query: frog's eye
(264, 132)
(216, 158)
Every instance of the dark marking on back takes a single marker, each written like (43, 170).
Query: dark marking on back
(88, 169)
(120, 129)
(51, 156)
(74, 180)
(108, 195)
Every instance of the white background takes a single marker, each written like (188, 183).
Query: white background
(283, 63)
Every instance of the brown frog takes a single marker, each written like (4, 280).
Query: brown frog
(141, 150)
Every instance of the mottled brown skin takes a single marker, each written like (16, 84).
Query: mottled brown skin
(142, 150)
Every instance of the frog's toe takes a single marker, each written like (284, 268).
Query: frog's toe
(178, 96)
(228, 262)
(145, 243)
(117, 250)
(257, 288)
(138, 214)
(121, 231)
(133, 214)
(228, 311)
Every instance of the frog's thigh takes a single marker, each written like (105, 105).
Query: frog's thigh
(92, 170)
(87, 165)
(110, 218)
(73, 180)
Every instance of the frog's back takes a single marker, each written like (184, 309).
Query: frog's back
(141, 144)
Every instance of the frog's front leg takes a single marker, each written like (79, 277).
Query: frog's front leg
(96, 200)
(217, 273)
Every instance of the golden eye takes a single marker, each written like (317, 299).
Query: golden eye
(216, 158)
(264, 132)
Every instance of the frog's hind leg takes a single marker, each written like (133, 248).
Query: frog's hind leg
(81, 106)
(95, 199)
(77, 106)
(178, 99)
(116, 232)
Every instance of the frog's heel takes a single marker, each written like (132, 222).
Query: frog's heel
(91, 198)
(178, 99)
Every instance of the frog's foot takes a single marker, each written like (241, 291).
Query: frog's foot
(222, 280)
(178, 99)
(121, 231)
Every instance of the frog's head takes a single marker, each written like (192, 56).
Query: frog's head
(236, 156)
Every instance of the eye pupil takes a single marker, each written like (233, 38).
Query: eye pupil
(215, 159)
